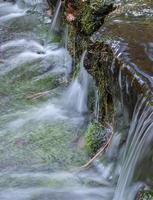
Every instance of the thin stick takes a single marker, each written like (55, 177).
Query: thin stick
(37, 95)
(102, 149)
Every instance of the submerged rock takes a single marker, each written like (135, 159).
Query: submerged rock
(95, 138)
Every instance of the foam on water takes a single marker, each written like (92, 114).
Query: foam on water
(19, 60)
(11, 16)
(9, 11)
(22, 43)
(77, 93)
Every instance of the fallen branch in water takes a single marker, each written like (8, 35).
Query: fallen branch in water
(102, 149)
(38, 95)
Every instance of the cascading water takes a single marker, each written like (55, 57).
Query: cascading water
(77, 94)
(138, 142)
(10, 11)
(38, 136)
(65, 39)
(54, 24)
(42, 115)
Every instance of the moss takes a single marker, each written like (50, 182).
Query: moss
(55, 144)
(18, 85)
(148, 195)
(145, 195)
(87, 23)
(42, 180)
(89, 14)
(94, 138)
(50, 146)
(44, 32)
(97, 64)
(151, 103)
(92, 16)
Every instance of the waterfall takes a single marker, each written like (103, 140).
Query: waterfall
(65, 38)
(29, 2)
(45, 116)
(76, 96)
(54, 25)
(139, 138)
(9, 11)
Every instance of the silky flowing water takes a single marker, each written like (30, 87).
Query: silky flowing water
(44, 115)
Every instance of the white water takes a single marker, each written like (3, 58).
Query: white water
(47, 112)
(8, 8)
(30, 51)
(55, 19)
(74, 99)
(22, 59)
(138, 142)
(22, 43)
(9, 11)
(26, 173)
(68, 105)
(77, 94)
(65, 38)
(11, 16)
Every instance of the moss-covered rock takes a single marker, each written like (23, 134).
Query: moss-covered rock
(145, 195)
(95, 137)
(41, 145)
(89, 14)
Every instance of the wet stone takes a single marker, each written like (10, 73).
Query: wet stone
(130, 37)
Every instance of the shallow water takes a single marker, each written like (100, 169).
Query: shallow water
(44, 116)
(40, 132)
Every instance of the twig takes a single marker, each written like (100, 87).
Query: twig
(102, 149)
(38, 95)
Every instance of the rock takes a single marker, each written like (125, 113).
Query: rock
(145, 195)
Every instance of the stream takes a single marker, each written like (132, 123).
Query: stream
(45, 114)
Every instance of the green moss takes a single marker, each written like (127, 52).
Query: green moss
(151, 103)
(87, 21)
(55, 144)
(37, 143)
(17, 86)
(94, 138)
(145, 195)
(46, 34)
(148, 195)
(42, 180)
(92, 14)
(42, 145)
(76, 71)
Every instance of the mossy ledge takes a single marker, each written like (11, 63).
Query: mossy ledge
(112, 40)
(101, 59)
